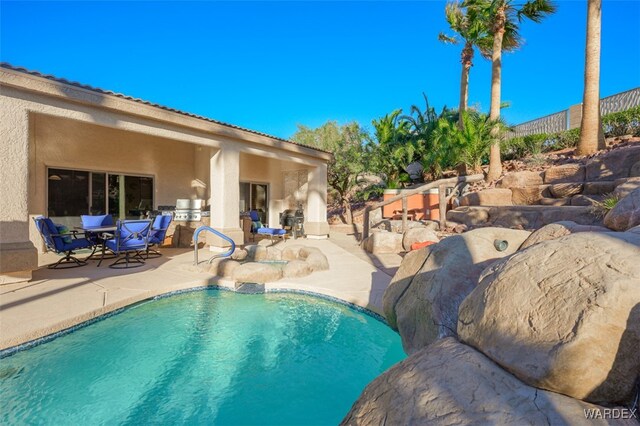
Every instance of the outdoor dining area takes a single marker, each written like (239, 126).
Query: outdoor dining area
(129, 242)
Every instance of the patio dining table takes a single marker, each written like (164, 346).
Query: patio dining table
(99, 232)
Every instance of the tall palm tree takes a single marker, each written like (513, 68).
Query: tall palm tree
(591, 134)
(504, 16)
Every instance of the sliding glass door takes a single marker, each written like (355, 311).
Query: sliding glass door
(72, 193)
(254, 196)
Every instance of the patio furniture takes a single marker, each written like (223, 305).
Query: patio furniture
(255, 223)
(158, 233)
(95, 228)
(61, 243)
(131, 238)
(273, 232)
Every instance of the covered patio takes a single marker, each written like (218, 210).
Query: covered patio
(74, 150)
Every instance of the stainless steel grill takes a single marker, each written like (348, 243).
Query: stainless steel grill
(188, 210)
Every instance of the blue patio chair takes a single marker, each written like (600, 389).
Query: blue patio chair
(97, 238)
(158, 233)
(131, 236)
(255, 223)
(61, 243)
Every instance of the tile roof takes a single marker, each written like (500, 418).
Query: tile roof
(142, 101)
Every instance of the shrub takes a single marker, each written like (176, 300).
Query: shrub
(622, 123)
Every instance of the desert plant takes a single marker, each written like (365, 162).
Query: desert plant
(601, 208)
(622, 123)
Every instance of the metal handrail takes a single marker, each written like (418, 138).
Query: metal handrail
(442, 200)
(196, 234)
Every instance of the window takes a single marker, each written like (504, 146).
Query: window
(72, 193)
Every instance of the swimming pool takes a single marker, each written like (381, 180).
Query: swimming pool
(208, 356)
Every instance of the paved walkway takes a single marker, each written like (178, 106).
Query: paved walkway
(58, 299)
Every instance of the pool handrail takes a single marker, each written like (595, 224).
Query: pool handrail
(196, 234)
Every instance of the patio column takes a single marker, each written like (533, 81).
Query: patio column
(316, 225)
(18, 256)
(224, 180)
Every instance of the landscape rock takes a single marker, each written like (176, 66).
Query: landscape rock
(239, 254)
(431, 224)
(274, 253)
(428, 308)
(449, 383)
(291, 252)
(317, 262)
(256, 252)
(469, 216)
(627, 187)
(223, 267)
(254, 272)
(557, 230)
(563, 315)
(296, 268)
(557, 202)
(635, 170)
(527, 195)
(598, 188)
(383, 242)
(584, 200)
(614, 165)
(417, 235)
(521, 179)
(487, 197)
(565, 173)
(410, 266)
(563, 190)
(625, 214)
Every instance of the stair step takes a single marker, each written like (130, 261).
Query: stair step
(527, 217)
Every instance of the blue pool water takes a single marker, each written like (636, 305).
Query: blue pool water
(206, 357)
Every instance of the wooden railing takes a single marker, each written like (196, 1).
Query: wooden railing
(442, 186)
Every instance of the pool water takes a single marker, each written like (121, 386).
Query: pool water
(210, 356)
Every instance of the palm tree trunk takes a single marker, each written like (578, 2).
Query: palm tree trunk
(467, 57)
(495, 163)
(591, 135)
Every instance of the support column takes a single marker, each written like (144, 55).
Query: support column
(316, 225)
(225, 196)
(18, 255)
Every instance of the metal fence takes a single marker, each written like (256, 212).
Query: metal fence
(561, 120)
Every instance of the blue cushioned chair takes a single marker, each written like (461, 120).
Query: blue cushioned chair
(59, 243)
(273, 232)
(97, 238)
(158, 233)
(131, 236)
(255, 223)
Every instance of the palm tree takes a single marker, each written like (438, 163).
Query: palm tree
(473, 32)
(504, 16)
(591, 134)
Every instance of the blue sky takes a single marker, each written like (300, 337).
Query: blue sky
(271, 65)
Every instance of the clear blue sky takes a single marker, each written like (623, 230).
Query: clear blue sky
(271, 65)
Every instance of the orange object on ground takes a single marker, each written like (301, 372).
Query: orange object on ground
(416, 246)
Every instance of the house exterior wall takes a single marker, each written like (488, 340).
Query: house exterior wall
(49, 123)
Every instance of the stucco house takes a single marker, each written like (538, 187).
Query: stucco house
(68, 149)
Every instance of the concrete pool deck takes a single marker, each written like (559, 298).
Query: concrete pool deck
(58, 299)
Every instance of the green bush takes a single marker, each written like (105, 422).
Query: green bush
(622, 123)
(562, 140)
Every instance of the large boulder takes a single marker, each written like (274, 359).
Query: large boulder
(449, 383)
(565, 173)
(598, 188)
(428, 308)
(563, 315)
(383, 242)
(557, 230)
(418, 235)
(487, 197)
(613, 165)
(521, 179)
(625, 214)
(256, 252)
(296, 268)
